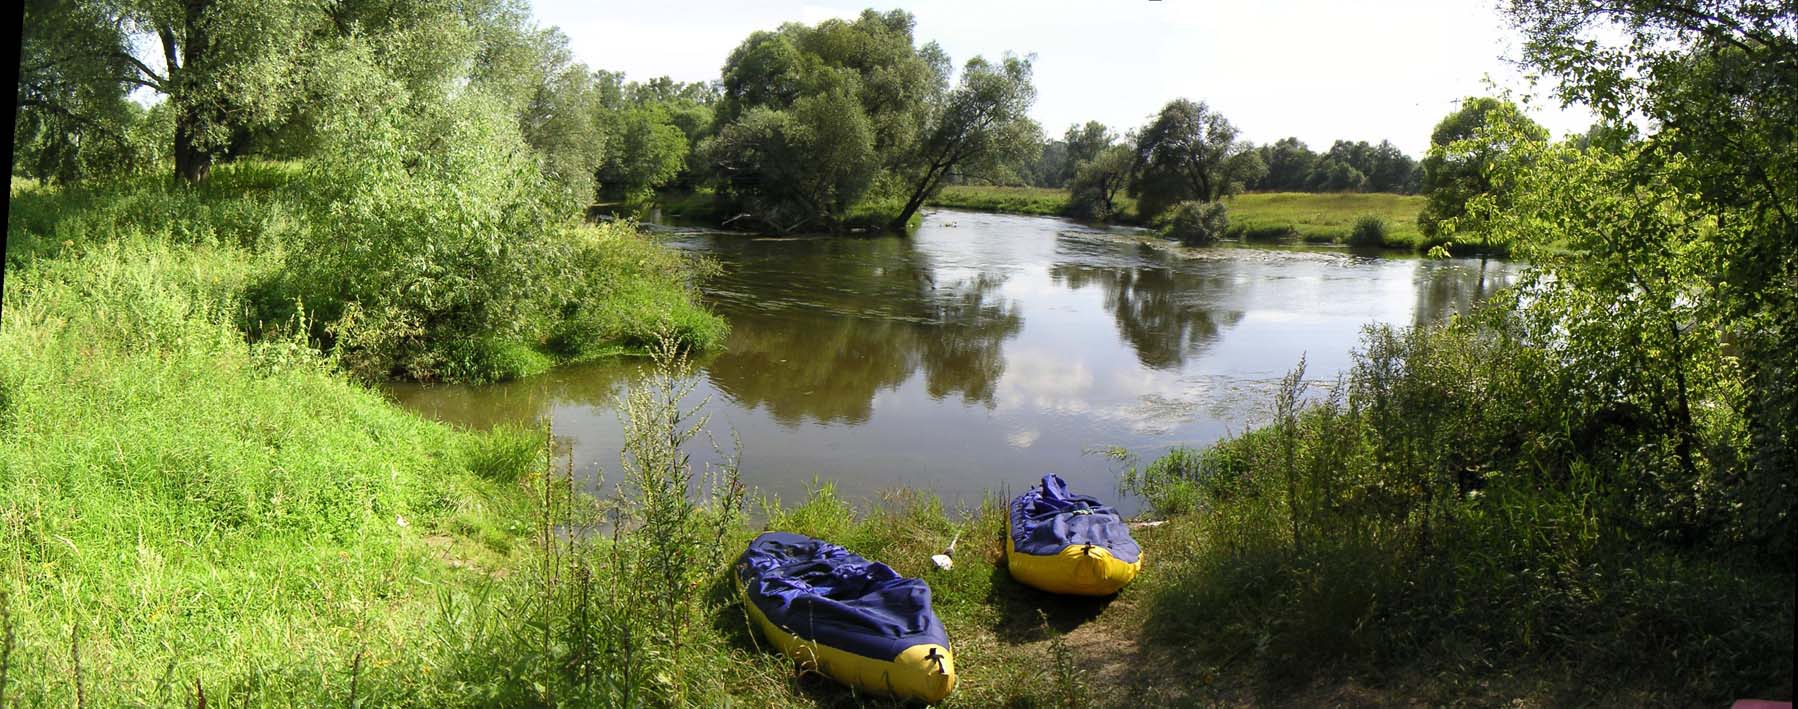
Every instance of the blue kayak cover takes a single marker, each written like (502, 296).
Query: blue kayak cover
(819, 591)
(1048, 518)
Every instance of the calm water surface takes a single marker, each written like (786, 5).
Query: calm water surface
(986, 350)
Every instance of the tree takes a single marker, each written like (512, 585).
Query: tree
(562, 125)
(855, 76)
(225, 64)
(72, 110)
(1707, 242)
(1458, 166)
(1096, 184)
(1085, 142)
(1336, 176)
(1389, 169)
(646, 151)
(981, 124)
(797, 168)
(1184, 155)
(1289, 163)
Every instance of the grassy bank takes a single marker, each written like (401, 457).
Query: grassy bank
(1041, 201)
(1272, 216)
(1325, 217)
(183, 509)
(411, 279)
(196, 503)
(186, 511)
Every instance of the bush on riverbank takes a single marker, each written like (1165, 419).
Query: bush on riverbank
(1194, 223)
(1452, 504)
(414, 277)
(1369, 230)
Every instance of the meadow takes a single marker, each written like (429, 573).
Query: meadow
(1309, 217)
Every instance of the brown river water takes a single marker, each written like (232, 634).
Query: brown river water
(986, 350)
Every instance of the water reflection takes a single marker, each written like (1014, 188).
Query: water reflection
(986, 350)
(878, 314)
(1165, 313)
(1445, 288)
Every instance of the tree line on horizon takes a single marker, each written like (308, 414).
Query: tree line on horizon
(843, 125)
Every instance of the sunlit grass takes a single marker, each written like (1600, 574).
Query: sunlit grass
(1263, 216)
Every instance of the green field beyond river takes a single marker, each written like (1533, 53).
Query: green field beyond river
(988, 349)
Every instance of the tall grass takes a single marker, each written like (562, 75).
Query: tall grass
(1447, 508)
(183, 508)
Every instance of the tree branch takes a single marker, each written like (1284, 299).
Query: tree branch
(151, 79)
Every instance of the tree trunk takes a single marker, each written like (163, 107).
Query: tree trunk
(192, 164)
(918, 196)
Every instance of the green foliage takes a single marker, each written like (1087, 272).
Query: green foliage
(978, 127)
(1195, 223)
(809, 117)
(1454, 502)
(563, 127)
(648, 150)
(1188, 153)
(1369, 230)
(1459, 165)
(1723, 170)
(198, 509)
(1098, 183)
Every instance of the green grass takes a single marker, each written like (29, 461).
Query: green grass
(1043, 201)
(568, 292)
(181, 506)
(1326, 218)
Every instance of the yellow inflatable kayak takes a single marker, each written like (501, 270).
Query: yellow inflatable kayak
(1071, 544)
(856, 621)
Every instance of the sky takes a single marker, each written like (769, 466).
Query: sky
(1318, 70)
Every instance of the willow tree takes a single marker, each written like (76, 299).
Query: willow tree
(809, 115)
(1185, 154)
(979, 126)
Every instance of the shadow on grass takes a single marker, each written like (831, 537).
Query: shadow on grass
(1022, 609)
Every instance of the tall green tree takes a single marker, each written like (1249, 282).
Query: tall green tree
(1085, 142)
(980, 125)
(1289, 162)
(224, 65)
(1184, 154)
(866, 74)
(1459, 168)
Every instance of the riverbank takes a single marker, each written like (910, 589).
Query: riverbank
(1308, 217)
(188, 510)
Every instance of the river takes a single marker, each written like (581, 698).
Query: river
(986, 350)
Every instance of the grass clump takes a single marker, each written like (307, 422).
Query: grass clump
(1369, 230)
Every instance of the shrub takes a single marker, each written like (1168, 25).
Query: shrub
(1369, 230)
(1195, 223)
